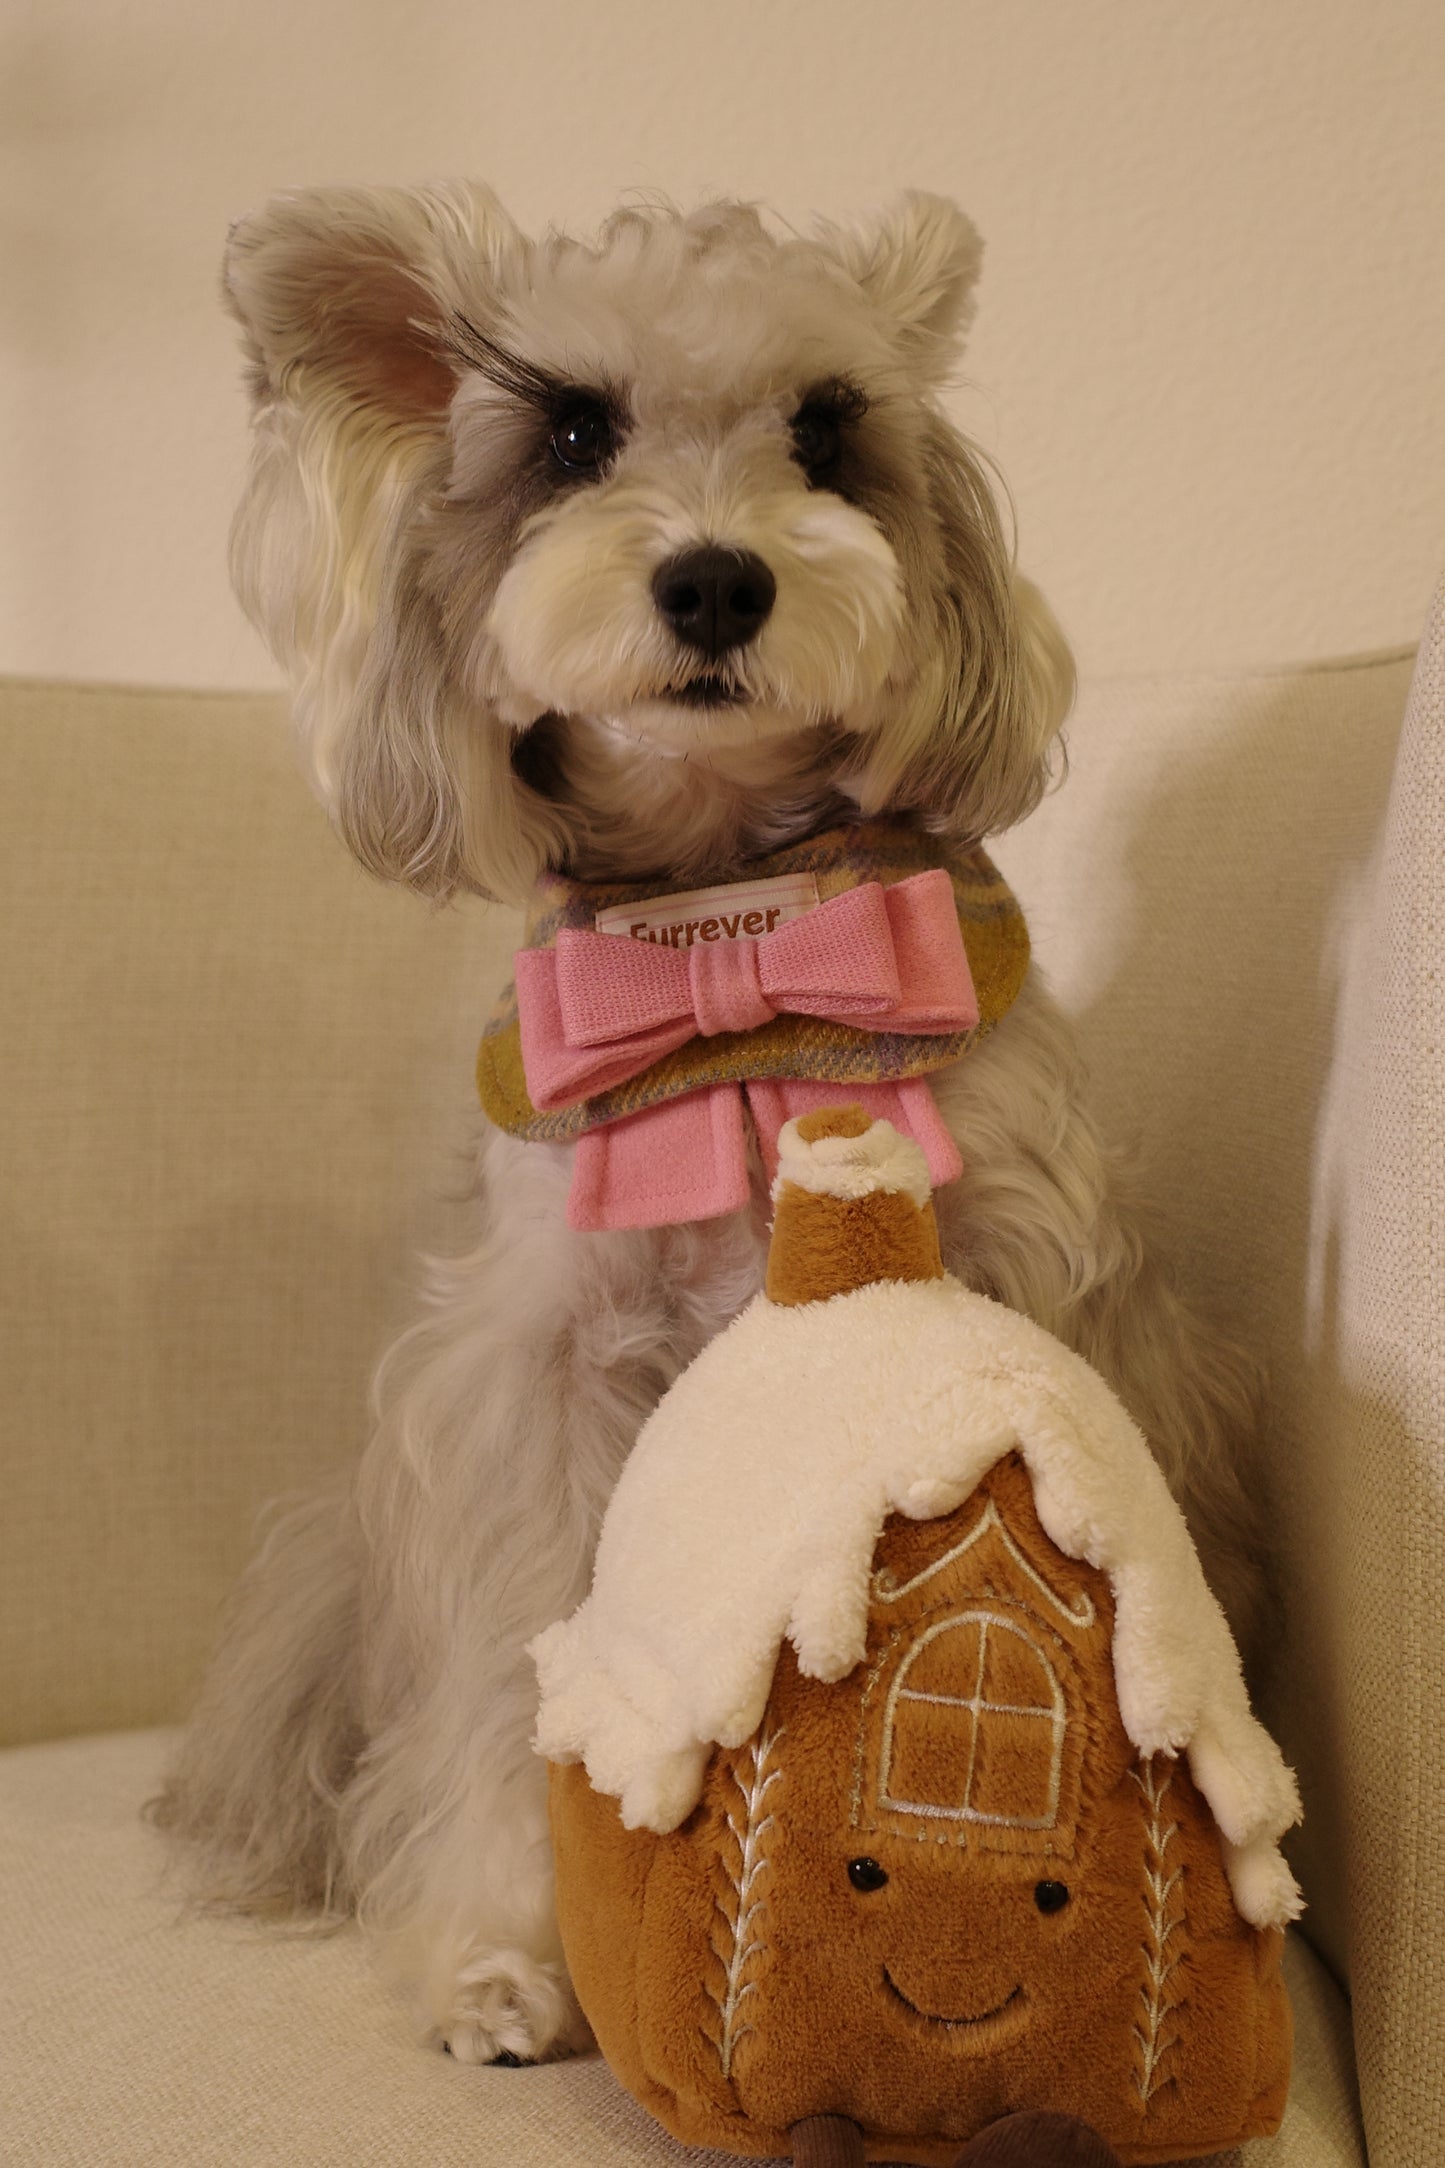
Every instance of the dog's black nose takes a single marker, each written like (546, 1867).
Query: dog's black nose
(715, 598)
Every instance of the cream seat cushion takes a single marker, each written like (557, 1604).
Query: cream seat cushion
(129, 2037)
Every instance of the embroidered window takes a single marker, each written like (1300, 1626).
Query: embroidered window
(974, 1726)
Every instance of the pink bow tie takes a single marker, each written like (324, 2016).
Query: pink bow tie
(597, 1009)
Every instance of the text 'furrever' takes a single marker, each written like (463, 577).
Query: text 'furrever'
(733, 911)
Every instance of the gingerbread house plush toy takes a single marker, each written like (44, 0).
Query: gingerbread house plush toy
(907, 1803)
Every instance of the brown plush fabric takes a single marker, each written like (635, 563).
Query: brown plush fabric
(824, 1246)
(835, 1244)
(1038, 2141)
(740, 1979)
(851, 1120)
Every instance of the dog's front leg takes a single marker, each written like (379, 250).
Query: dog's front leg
(506, 1415)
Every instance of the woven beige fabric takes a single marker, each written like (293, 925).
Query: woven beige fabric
(128, 2037)
(1195, 893)
(232, 1071)
(235, 1075)
(1379, 1306)
(1241, 895)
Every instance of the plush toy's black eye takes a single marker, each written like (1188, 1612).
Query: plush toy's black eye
(866, 1874)
(582, 437)
(1051, 1896)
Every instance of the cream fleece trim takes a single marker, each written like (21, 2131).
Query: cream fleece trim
(851, 1167)
(749, 1512)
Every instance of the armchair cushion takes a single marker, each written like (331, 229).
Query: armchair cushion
(236, 1075)
(129, 2035)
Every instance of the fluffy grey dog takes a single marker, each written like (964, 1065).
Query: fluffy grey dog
(476, 459)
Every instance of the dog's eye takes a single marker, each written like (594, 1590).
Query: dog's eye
(817, 439)
(582, 437)
(820, 429)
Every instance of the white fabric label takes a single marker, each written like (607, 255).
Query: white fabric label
(736, 911)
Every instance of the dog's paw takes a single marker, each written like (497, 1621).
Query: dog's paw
(508, 2008)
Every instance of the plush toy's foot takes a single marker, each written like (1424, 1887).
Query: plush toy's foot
(827, 2141)
(1037, 2141)
(1033, 2140)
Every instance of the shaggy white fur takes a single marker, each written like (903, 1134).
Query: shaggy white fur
(753, 1501)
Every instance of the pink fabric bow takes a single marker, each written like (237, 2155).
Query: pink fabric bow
(687, 1159)
(597, 1009)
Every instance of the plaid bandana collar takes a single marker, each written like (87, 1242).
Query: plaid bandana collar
(786, 989)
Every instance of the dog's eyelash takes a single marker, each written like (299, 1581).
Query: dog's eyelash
(519, 379)
(509, 372)
(840, 399)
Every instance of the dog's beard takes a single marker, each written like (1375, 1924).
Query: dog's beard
(714, 720)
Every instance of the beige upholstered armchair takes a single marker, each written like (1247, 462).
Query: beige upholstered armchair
(235, 1072)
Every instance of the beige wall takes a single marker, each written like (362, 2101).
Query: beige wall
(1213, 319)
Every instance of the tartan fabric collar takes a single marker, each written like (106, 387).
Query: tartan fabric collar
(816, 1049)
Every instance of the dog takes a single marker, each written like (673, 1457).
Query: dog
(636, 559)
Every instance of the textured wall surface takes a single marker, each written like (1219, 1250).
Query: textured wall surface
(1213, 313)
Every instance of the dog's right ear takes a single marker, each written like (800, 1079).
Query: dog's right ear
(349, 300)
(353, 291)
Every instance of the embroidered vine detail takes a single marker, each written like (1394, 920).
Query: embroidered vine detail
(1163, 1944)
(741, 1941)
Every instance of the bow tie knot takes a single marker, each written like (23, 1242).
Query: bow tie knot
(725, 983)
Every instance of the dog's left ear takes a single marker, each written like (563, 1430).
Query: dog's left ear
(918, 262)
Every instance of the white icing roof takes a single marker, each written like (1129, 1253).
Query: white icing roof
(751, 1506)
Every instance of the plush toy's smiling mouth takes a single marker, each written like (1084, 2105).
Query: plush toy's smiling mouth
(988, 2028)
